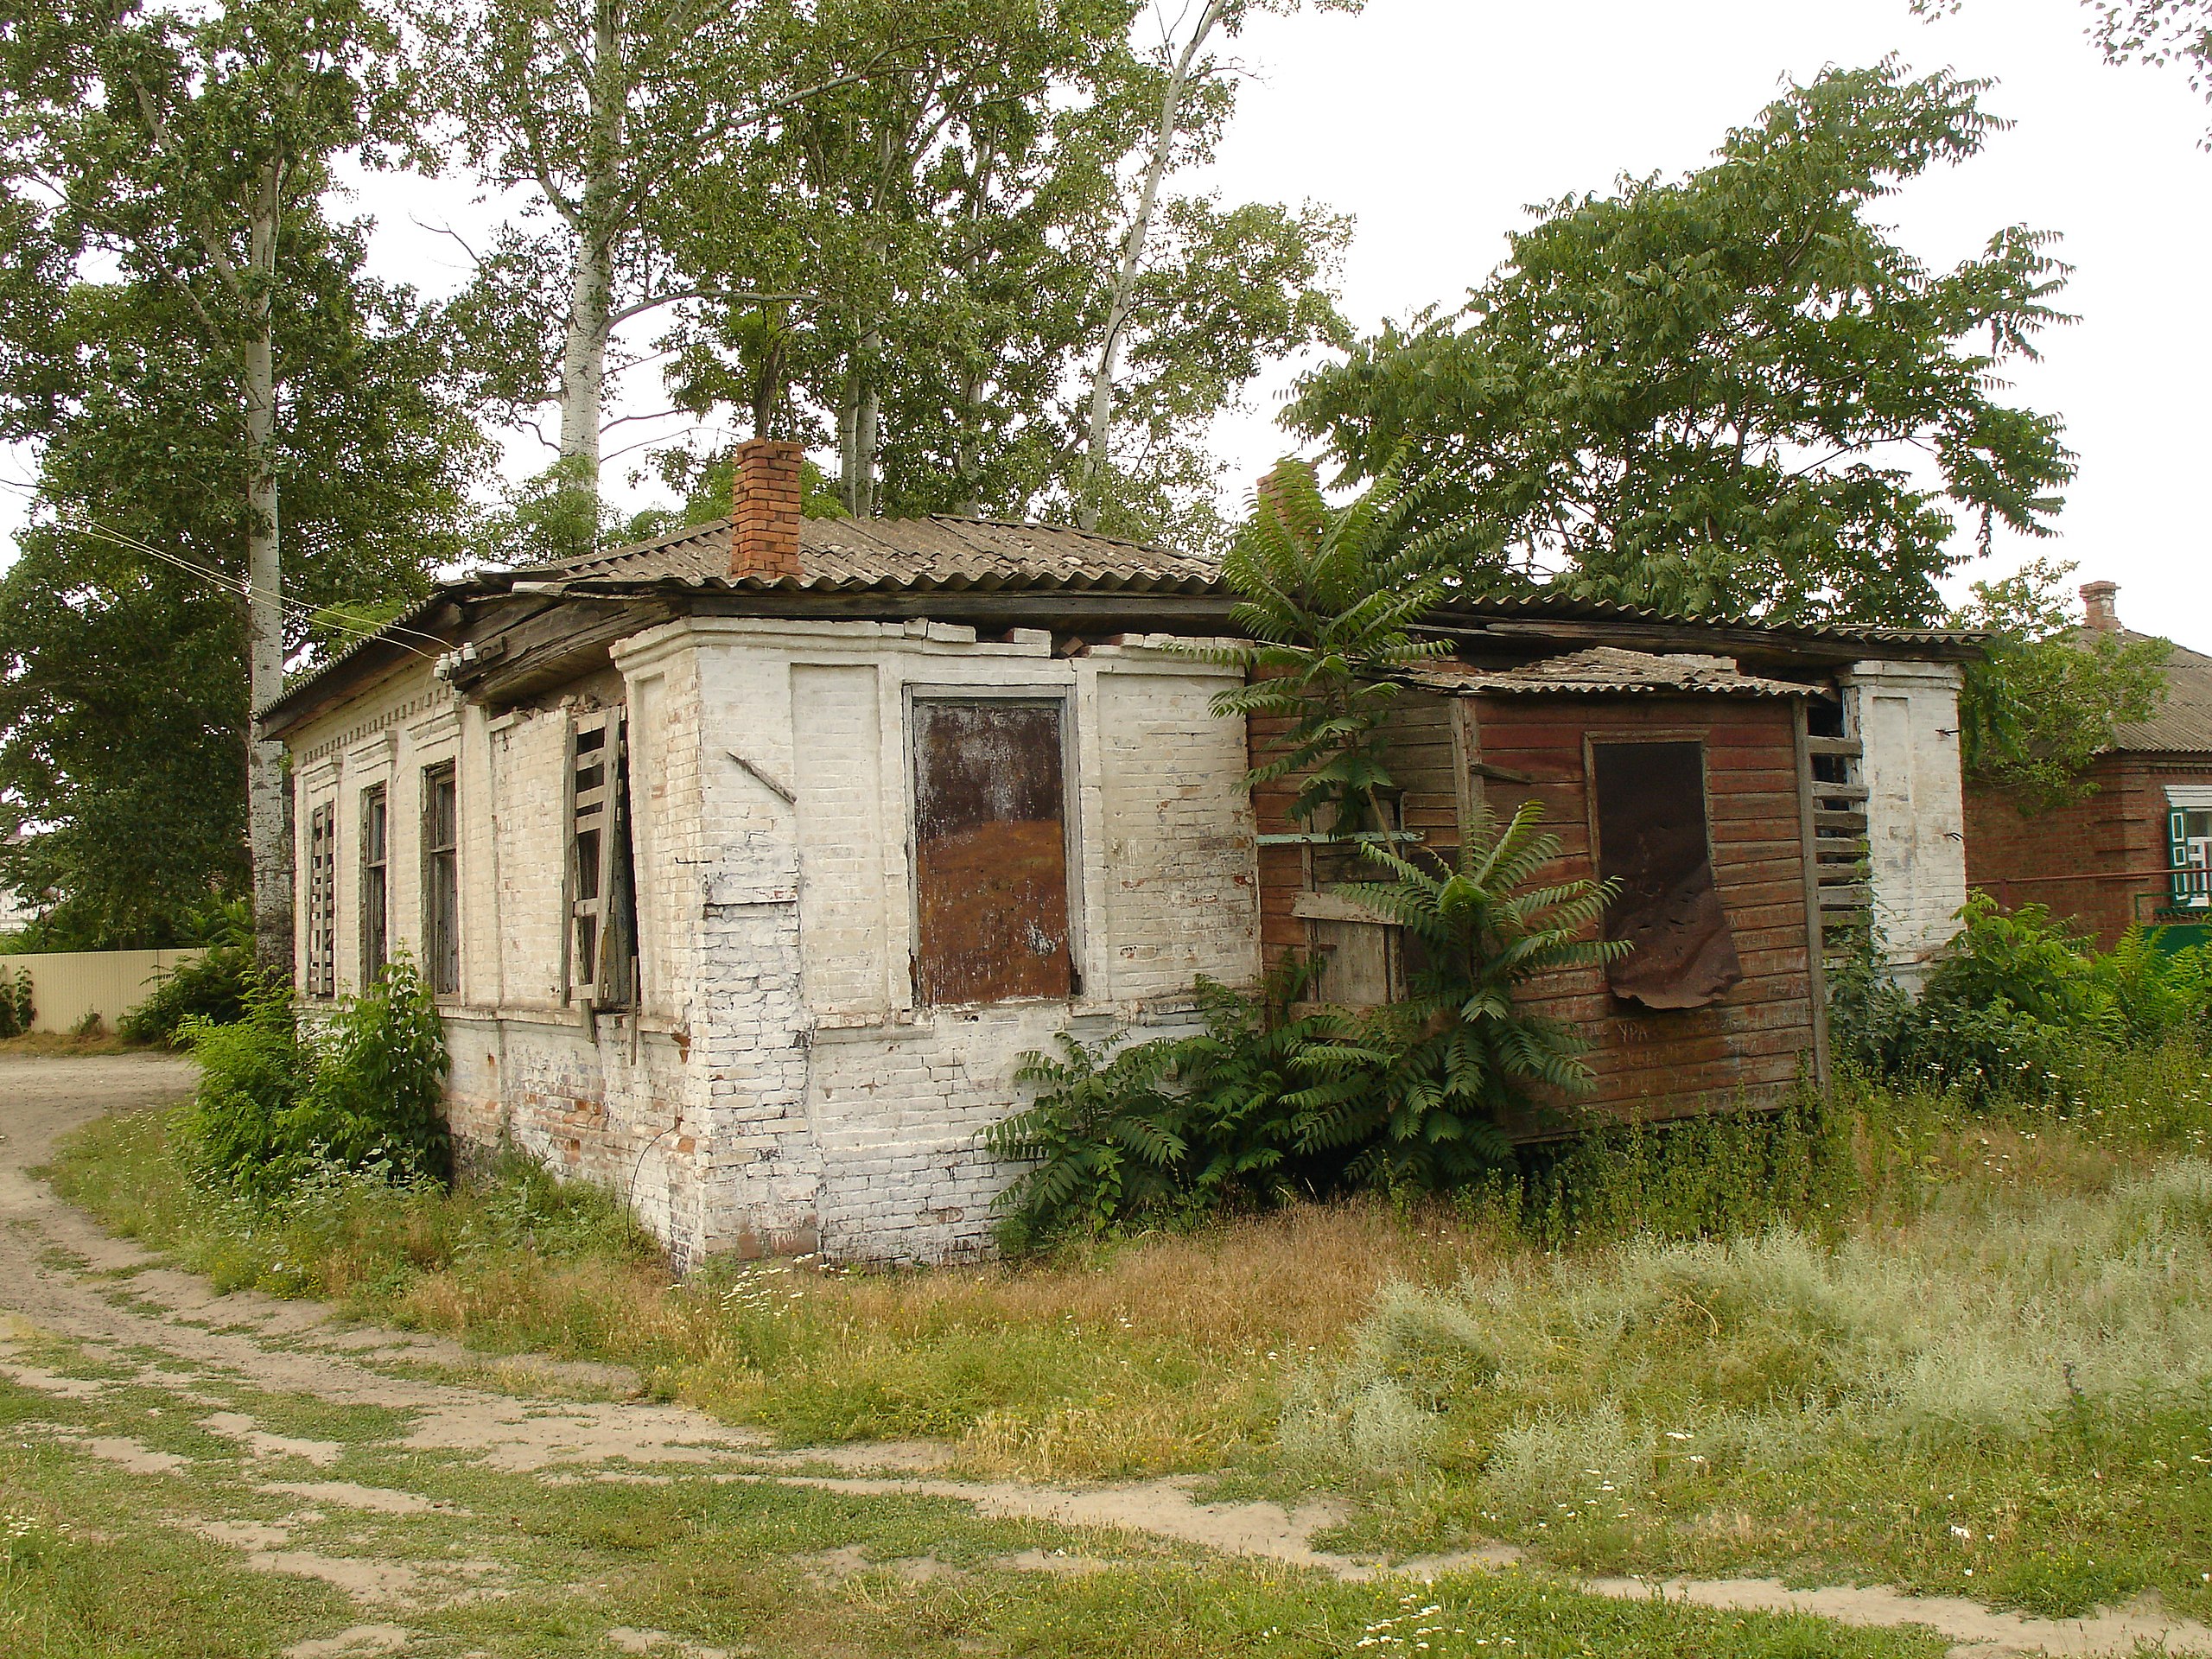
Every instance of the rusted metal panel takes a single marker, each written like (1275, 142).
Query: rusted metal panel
(990, 851)
(1652, 839)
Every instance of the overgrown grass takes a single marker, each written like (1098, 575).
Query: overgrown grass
(101, 1562)
(1885, 1339)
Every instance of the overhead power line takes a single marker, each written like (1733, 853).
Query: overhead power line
(85, 524)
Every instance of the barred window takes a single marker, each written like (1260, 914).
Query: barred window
(602, 946)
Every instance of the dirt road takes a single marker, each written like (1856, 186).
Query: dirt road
(322, 1426)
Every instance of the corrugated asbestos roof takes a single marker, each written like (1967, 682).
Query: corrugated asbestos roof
(951, 555)
(1604, 669)
(2183, 722)
(1539, 607)
(935, 552)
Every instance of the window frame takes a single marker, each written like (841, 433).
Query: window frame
(321, 974)
(1061, 697)
(441, 881)
(375, 902)
(2191, 886)
(612, 981)
(1592, 739)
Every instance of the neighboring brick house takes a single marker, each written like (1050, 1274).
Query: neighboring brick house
(2136, 848)
(747, 862)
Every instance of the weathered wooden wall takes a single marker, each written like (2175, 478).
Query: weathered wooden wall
(1748, 1046)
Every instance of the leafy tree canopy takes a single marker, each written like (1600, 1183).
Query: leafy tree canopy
(123, 682)
(1733, 393)
(2049, 693)
(952, 215)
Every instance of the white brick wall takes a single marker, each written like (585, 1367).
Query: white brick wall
(777, 1089)
(1906, 718)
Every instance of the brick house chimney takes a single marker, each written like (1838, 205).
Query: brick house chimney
(2099, 600)
(764, 510)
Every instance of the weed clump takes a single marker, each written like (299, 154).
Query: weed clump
(1272, 1101)
(2018, 1008)
(276, 1107)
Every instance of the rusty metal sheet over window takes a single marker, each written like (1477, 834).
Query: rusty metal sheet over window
(1652, 840)
(990, 851)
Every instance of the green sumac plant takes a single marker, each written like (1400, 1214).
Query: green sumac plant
(1417, 1092)
(1278, 1097)
(275, 1106)
(1327, 595)
(1124, 1134)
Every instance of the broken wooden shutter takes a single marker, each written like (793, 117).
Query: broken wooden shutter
(990, 851)
(602, 946)
(1652, 840)
(441, 879)
(322, 900)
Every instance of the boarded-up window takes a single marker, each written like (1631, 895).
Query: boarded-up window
(990, 851)
(602, 950)
(322, 900)
(442, 881)
(376, 888)
(1652, 840)
(1362, 957)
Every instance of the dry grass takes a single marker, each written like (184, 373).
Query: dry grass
(52, 1045)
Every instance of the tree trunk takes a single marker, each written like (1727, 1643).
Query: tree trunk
(868, 438)
(848, 455)
(591, 302)
(584, 361)
(268, 844)
(1099, 428)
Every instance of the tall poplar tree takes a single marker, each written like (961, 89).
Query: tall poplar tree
(179, 144)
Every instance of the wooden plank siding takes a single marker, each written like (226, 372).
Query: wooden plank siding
(1448, 754)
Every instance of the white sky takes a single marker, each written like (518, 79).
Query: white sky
(1435, 122)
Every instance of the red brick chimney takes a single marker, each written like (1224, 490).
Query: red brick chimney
(2099, 600)
(764, 510)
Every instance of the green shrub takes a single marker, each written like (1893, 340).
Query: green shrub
(252, 1070)
(1266, 1102)
(2017, 1008)
(1123, 1134)
(378, 1092)
(217, 986)
(273, 1108)
(16, 1010)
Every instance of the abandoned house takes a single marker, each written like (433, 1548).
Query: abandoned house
(747, 862)
(2138, 848)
